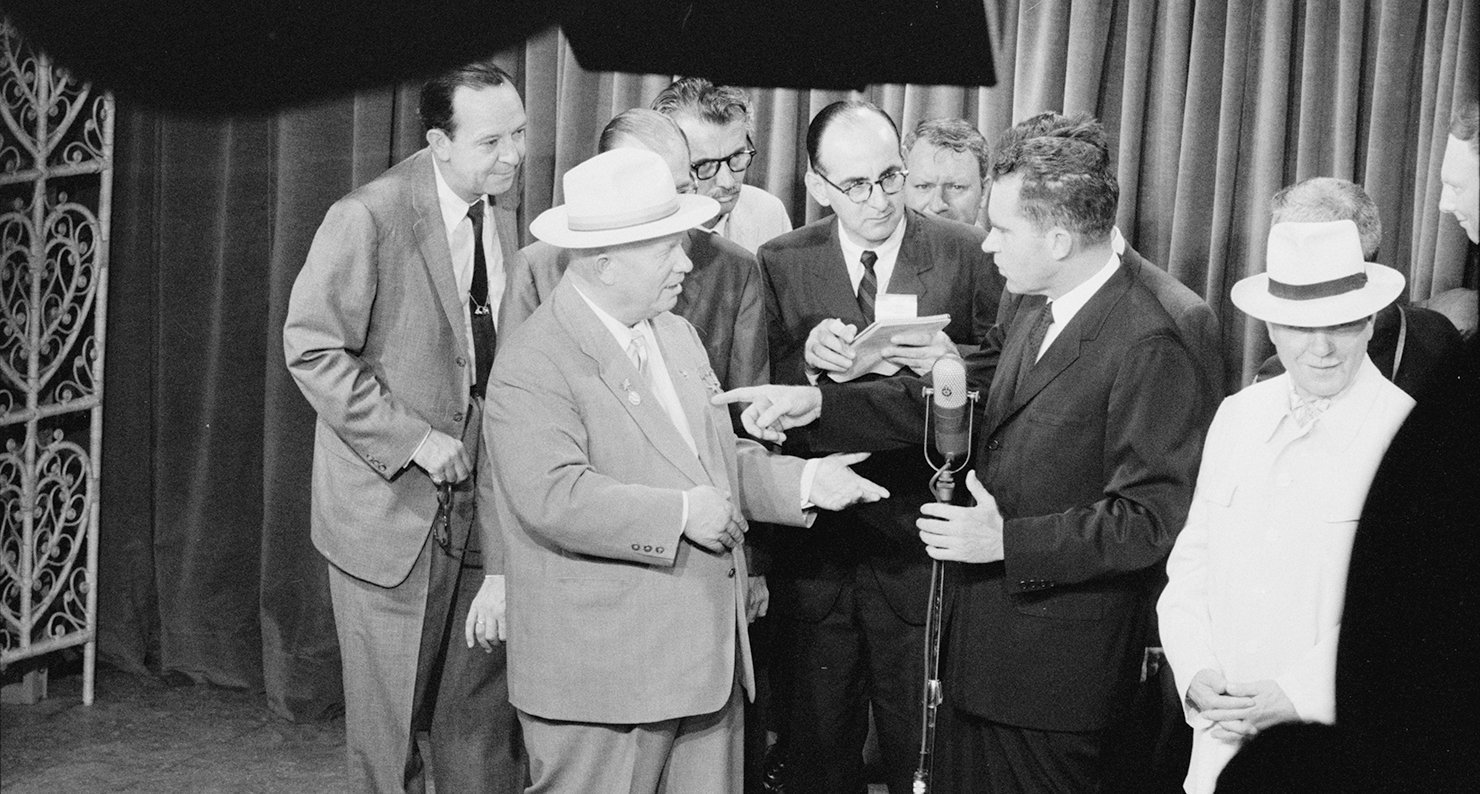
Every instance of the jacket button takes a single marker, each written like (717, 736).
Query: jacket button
(731, 574)
(647, 548)
(659, 550)
(636, 547)
(461, 362)
(457, 417)
(994, 445)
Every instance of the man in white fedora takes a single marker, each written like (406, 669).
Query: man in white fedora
(624, 502)
(1250, 615)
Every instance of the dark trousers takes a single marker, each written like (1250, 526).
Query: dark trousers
(463, 700)
(975, 755)
(407, 669)
(860, 654)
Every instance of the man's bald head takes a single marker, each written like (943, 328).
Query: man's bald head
(641, 128)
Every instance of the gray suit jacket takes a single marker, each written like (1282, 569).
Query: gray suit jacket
(375, 338)
(613, 616)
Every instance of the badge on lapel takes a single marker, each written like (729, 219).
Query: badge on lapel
(632, 395)
(711, 382)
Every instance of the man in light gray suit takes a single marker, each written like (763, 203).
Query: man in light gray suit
(390, 335)
(624, 503)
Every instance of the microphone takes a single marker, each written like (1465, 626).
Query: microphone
(952, 417)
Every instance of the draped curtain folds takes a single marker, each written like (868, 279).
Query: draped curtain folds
(1210, 107)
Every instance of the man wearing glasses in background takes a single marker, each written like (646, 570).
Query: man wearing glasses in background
(851, 592)
(717, 122)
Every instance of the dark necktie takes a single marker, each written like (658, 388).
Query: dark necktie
(485, 337)
(868, 287)
(1035, 341)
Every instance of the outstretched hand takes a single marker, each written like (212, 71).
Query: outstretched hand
(835, 485)
(773, 409)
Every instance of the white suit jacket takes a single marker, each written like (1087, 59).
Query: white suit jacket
(1257, 577)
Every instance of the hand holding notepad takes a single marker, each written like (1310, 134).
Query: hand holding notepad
(869, 345)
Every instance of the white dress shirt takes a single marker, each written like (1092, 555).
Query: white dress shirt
(460, 242)
(887, 251)
(1067, 305)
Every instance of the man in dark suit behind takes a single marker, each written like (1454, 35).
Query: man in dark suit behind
(851, 592)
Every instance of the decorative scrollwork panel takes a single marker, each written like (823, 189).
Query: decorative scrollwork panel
(56, 148)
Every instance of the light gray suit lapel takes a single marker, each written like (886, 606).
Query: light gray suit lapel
(691, 378)
(431, 241)
(625, 383)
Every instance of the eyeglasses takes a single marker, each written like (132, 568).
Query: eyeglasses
(442, 526)
(860, 191)
(737, 162)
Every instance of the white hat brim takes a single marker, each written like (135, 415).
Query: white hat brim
(1384, 285)
(553, 225)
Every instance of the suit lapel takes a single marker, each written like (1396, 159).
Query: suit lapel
(624, 381)
(1004, 385)
(1062, 353)
(690, 380)
(834, 288)
(431, 241)
(913, 263)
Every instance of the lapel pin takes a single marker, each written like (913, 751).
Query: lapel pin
(634, 398)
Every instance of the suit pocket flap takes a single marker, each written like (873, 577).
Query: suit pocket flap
(1064, 605)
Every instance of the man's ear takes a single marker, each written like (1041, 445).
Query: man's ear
(1060, 243)
(816, 188)
(440, 143)
(605, 268)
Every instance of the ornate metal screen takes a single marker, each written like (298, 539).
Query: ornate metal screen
(56, 182)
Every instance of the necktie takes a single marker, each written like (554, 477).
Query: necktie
(1308, 409)
(485, 336)
(869, 286)
(637, 351)
(1035, 341)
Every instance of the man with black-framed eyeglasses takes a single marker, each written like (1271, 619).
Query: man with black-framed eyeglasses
(719, 128)
(850, 594)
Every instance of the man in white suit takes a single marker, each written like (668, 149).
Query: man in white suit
(623, 504)
(1257, 578)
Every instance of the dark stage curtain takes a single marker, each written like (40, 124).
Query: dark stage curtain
(206, 564)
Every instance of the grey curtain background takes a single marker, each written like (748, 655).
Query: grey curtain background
(206, 564)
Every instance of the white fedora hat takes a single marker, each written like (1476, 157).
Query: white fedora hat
(1315, 276)
(620, 196)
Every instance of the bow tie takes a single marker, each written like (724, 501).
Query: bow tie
(1307, 409)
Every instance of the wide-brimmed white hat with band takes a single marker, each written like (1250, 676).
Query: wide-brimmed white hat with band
(620, 196)
(1316, 276)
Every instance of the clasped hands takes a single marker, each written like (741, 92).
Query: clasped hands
(1239, 710)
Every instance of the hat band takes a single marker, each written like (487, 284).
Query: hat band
(622, 220)
(1320, 289)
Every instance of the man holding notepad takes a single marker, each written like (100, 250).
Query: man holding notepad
(851, 593)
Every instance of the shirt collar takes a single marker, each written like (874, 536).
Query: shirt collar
(454, 209)
(885, 250)
(1343, 419)
(622, 333)
(1072, 301)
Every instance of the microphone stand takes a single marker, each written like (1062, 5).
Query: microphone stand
(943, 484)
